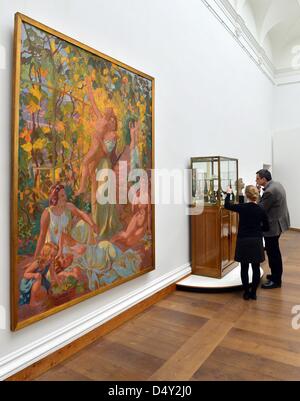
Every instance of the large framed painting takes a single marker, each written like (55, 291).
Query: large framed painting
(82, 162)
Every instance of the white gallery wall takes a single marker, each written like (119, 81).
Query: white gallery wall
(210, 99)
(286, 145)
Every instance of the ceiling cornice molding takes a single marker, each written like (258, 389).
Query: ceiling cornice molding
(235, 25)
(286, 76)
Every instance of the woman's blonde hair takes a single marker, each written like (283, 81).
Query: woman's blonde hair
(252, 193)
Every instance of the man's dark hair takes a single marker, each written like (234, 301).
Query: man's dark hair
(265, 174)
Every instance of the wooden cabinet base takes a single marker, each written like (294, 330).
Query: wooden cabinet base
(214, 273)
(214, 235)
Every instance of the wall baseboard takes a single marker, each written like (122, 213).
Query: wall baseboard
(39, 356)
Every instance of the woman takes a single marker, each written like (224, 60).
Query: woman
(249, 247)
(57, 218)
(105, 214)
(106, 122)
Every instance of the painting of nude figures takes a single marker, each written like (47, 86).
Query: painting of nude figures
(82, 212)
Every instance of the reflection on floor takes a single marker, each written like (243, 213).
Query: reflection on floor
(232, 280)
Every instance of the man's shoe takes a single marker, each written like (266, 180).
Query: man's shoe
(270, 284)
(253, 296)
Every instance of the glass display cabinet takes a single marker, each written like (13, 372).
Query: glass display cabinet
(214, 229)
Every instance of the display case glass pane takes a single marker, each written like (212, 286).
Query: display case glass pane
(228, 177)
(211, 176)
(205, 180)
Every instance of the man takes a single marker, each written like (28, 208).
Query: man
(274, 203)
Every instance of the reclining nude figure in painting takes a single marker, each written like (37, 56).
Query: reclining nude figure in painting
(105, 131)
(139, 224)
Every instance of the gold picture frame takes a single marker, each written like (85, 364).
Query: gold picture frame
(25, 144)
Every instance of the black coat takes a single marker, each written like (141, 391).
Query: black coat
(253, 220)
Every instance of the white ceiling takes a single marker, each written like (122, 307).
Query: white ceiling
(275, 24)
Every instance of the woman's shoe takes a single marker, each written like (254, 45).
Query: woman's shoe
(246, 296)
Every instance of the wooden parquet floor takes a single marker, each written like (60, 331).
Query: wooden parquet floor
(196, 336)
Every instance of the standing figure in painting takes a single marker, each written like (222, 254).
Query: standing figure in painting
(105, 133)
(57, 219)
(134, 128)
(34, 286)
(98, 158)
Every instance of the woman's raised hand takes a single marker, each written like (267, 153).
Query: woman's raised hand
(96, 229)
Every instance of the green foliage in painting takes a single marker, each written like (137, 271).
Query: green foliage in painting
(56, 120)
